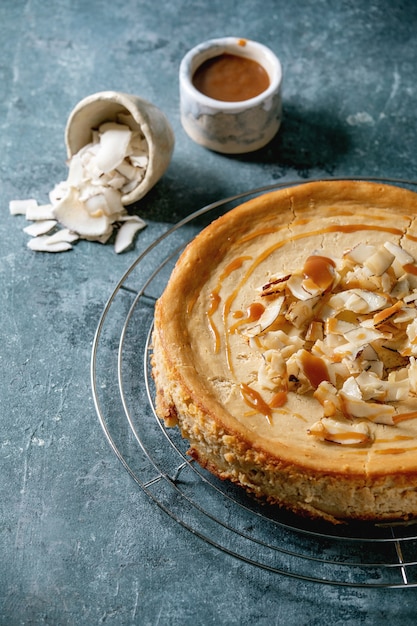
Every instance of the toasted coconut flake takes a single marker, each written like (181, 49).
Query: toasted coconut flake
(76, 174)
(401, 289)
(373, 411)
(371, 386)
(275, 286)
(326, 393)
(411, 297)
(301, 313)
(127, 170)
(114, 206)
(364, 334)
(361, 336)
(402, 256)
(380, 261)
(267, 318)
(296, 286)
(412, 375)
(337, 326)
(412, 331)
(386, 314)
(273, 372)
(345, 433)
(58, 192)
(315, 331)
(139, 160)
(96, 206)
(360, 253)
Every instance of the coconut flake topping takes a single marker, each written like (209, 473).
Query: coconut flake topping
(345, 330)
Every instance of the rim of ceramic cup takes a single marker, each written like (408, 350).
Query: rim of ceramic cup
(239, 46)
(97, 108)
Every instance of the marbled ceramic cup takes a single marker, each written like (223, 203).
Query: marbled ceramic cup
(231, 127)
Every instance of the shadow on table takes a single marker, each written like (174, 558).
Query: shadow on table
(307, 141)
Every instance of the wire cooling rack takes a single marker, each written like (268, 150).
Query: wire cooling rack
(356, 555)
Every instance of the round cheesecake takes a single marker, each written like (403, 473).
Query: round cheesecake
(285, 346)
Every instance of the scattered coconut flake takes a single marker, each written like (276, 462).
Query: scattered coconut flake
(63, 235)
(20, 207)
(114, 143)
(139, 160)
(42, 227)
(71, 212)
(89, 203)
(127, 231)
(42, 244)
(40, 212)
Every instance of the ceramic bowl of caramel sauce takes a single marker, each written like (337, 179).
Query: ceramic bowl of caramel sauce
(230, 95)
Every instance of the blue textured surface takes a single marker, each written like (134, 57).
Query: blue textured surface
(79, 542)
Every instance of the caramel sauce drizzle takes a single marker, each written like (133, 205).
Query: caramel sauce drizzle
(395, 438)
(253, 314)
(234, 265)
(358, 451)
(395, 450)
(318, 270)
(215, 298)
(214, 305)
(391, 440)
(411, 268)
(314, 368)
(255, 401)
(402, 417)
(278, 400)
(360, 437)
(191, 302)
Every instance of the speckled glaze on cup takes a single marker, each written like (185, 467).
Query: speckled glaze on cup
(104, 106)
(231, 127)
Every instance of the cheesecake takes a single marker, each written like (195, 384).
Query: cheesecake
(284, 348)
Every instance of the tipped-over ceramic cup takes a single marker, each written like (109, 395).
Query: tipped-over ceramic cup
(106, 106)
(231, 127)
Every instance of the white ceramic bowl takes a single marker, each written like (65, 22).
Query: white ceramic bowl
(104, 106)
(231, 127)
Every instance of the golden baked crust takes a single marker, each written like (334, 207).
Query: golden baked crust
(205, 371)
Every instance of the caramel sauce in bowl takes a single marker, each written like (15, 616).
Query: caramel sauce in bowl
(230, 95)
(231, 78)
